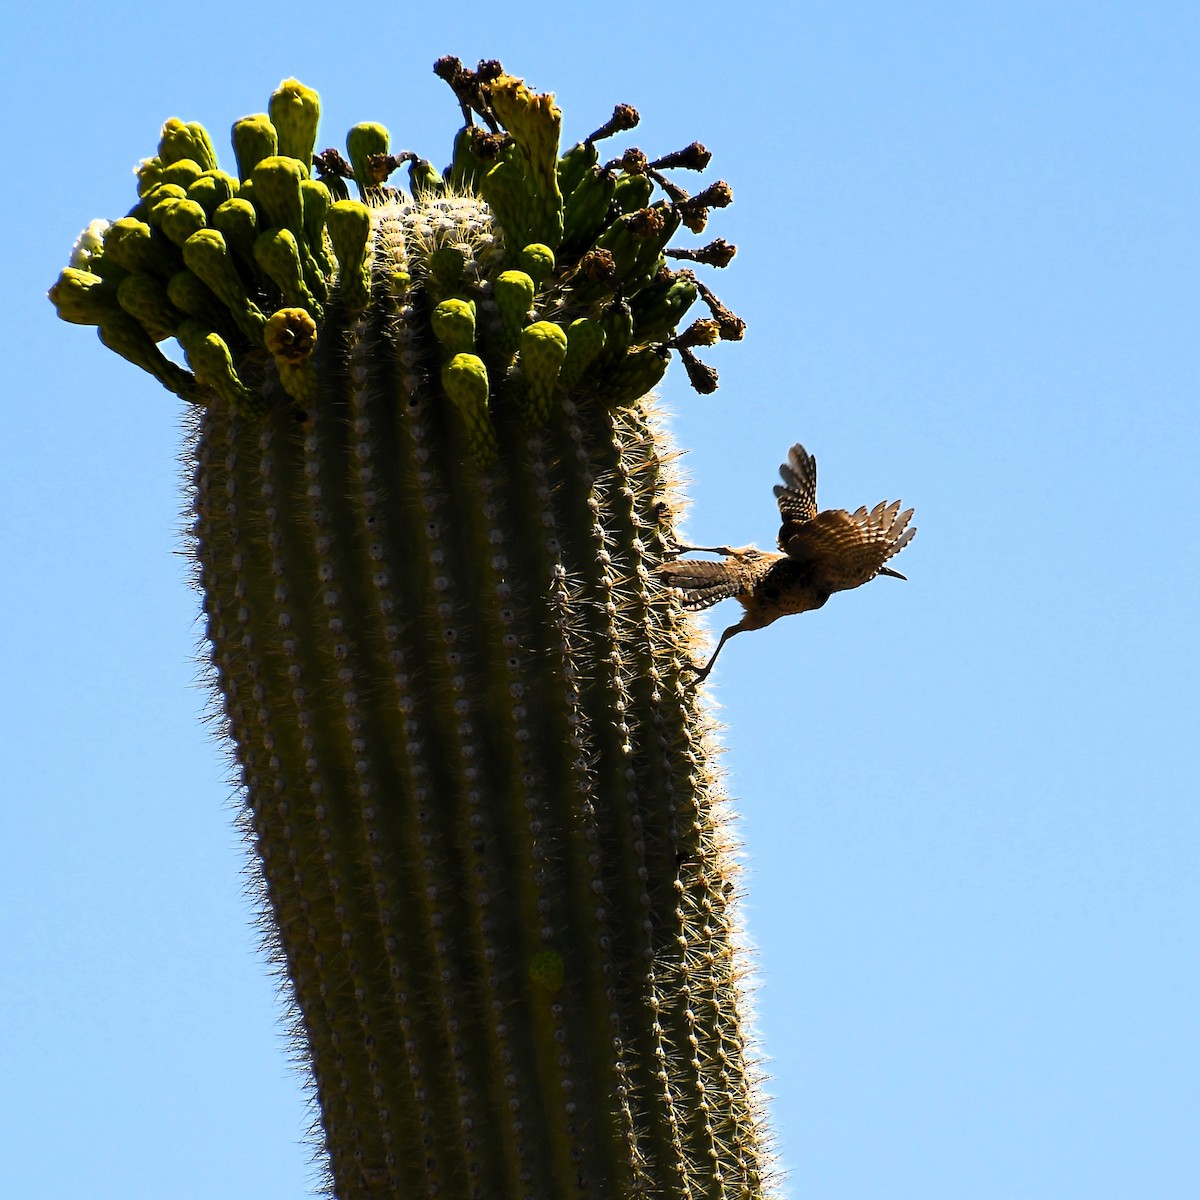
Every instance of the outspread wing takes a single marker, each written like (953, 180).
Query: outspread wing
(798, 495)
(848, 549)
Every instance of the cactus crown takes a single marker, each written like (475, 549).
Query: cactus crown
(430, 495)
(539, 275)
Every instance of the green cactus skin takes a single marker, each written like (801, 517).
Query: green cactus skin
(477, 778)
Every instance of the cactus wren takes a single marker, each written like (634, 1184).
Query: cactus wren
(823, 553)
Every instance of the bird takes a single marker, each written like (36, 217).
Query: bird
(821, 553)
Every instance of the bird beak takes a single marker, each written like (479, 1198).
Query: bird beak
(893, 574)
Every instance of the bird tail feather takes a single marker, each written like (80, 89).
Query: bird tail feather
(703, 583)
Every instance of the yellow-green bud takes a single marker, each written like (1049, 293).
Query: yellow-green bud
(465, 380)
(181, 140)
(537, 261)
(180, 219)
(513, 292)
(447, 265)
(633, 377)
(543, 348)
(424, 177)
(125, 336)
(454, 325)
(574, 163)
(362, 142)
(144, 297)
(184, 172)
(278, 253)
(158, 199)
(316, 200)
(212, 189)
(505, 189)
(254, 138)
(191, 295)
(207, 255)
(277, 191)
(658, 309)
(237, 220)
(131, 244)
(585, 340)
(82, 297)
(633, 192)
(149, 174)
(209, 357)
(349, 225)
(295, 111)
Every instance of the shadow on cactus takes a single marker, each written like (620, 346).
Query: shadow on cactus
(429, 497)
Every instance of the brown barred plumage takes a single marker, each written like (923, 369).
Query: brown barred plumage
(822, 553)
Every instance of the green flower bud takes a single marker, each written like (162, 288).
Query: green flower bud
(587, 207)
(633, 192)
(465, 167)
(277, 192)
(454, 326)
(159, 198)
(465, 380)
(132, 244)
(144, 297)
(181, 141)
(237, 220)
(316, 200)
(278, 253)
(149, 174)
(513, 292)
(362, 142)
(254, 138)
(543, 348)
(125, 336)
(505, 190)
(192, 296)
(212, 189)
(585, 340)
(209, 357)
(83, 298)
(573, 165)
(537, 261)
(295, 112)
(617, 322)
(184, 172)
(424, 178)
(207, 255)
(349, 226)
(658, 309)
(180, 219)
(631, 379)
(447, 266)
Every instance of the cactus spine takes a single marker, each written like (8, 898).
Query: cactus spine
(429, 494)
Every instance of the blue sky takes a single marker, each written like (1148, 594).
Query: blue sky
(969, 262)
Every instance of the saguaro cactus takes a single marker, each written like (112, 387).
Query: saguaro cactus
(429, 495)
